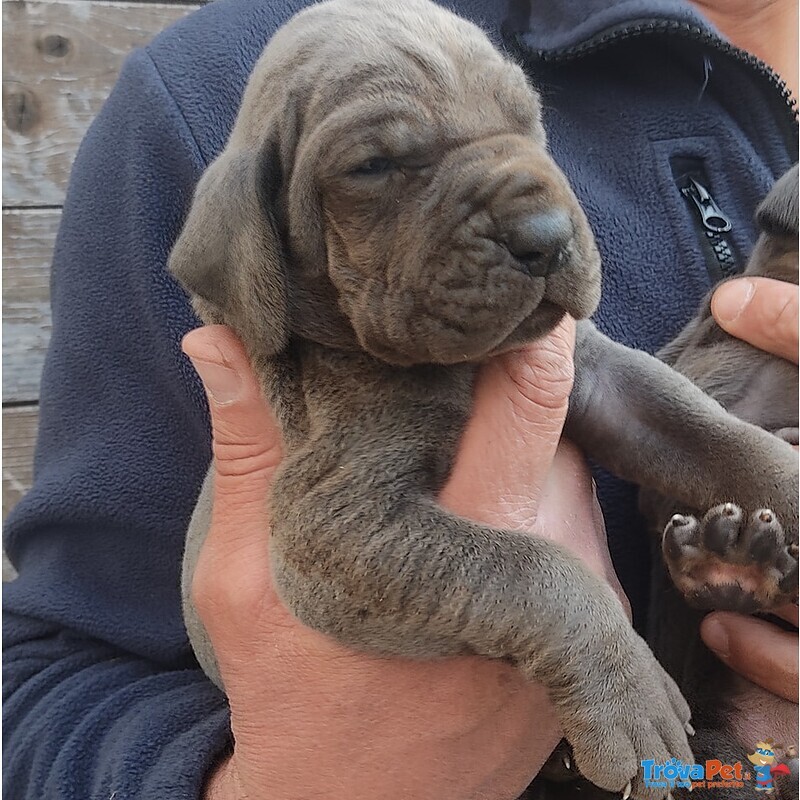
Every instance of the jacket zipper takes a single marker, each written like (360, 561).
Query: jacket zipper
(712, 225)
(778, 87)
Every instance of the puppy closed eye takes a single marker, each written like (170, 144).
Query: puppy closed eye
(377, 166)
(385, 166)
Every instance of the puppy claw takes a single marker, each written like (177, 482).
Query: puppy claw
(688, 728)
(678, 520)
(627, 793)
(567, 762)
(729, 509)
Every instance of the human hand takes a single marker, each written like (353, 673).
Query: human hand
(312, 718)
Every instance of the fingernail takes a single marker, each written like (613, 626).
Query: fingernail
(716, 637)
(731, 299)
(222, 383)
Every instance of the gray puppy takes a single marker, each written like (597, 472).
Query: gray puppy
(727, 559)
(384, 217)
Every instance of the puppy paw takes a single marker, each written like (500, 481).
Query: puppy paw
(636, 714)
(731, 560)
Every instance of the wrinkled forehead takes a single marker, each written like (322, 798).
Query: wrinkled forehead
(406, 67)
(443, 83)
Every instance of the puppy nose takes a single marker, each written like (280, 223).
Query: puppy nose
(535, 239)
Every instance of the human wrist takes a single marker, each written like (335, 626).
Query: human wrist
(485, 712)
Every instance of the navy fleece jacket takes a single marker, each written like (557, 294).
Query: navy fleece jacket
(102, 695)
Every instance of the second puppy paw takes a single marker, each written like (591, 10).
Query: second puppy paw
(731, 560)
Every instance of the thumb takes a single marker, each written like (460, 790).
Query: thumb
(508, 447)
(232, 579)
(762, 311)
(246, 438)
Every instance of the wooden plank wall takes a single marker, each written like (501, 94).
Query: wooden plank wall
(60, 61)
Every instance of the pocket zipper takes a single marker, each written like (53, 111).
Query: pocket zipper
(715, 224)
(712, 224)
(711, 215)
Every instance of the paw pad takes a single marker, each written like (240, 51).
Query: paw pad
(731, 560)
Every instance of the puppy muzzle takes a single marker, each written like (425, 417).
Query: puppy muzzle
(503, 253)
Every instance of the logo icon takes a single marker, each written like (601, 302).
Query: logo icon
(765, 766)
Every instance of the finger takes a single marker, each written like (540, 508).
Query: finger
(246, 438)
(510, 441)
(762, 311)
(232, 581)
(756, 649)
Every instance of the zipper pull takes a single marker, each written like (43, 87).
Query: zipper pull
(711, 214)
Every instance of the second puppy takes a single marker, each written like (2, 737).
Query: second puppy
(725, 558)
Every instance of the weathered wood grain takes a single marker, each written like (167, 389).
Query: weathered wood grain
(60, 60)
(28, 238)
(9, 573)
(19, 436)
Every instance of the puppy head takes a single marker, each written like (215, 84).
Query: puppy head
(387, 186)
(776, 252)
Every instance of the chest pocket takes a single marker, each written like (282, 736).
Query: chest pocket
(711, 222)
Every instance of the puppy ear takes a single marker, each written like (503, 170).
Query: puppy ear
(229, 255)
(778, 214)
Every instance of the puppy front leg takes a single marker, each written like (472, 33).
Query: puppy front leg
(651, 425)
(400, 576)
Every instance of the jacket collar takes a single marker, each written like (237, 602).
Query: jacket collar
(550, 25)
